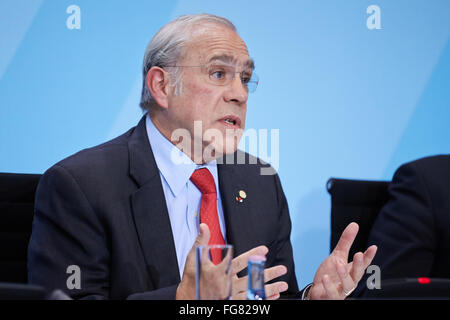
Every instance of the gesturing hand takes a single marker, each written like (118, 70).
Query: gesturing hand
(186, 288)
(336, 278)
(240, 285)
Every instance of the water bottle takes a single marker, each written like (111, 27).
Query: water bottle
(256, 278)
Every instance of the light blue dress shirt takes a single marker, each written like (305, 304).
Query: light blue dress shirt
(182, 197)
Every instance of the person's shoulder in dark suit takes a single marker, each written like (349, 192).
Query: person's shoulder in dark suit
(68, 224)
(411, 230)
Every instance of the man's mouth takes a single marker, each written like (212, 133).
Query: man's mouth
(231, 121)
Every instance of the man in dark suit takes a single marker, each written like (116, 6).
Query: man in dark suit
(125, 214)
(411, 230)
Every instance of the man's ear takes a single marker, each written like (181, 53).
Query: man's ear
(157, 81)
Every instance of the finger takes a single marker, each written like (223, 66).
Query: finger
(361, 262)
(241, 262)
(203, 236)
(201, 240)
(346, 240)
(274, 297)
(330, 288)
(239, 285)
(274, 272)
(348, 283)
(275, 288)
(186, 289)
(369, 255)
(357, 267)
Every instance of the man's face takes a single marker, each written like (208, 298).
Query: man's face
(220, 108)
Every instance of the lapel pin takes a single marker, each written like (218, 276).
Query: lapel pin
(242, 196)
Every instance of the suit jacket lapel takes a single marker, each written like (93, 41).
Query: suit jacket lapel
(237, 214)
(150, 211)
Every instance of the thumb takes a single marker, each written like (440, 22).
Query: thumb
(203, 236)
(186, 289)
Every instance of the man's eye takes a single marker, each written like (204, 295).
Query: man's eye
(245, 78)
(219, 75)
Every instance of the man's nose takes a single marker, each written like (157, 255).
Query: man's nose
(237, 92)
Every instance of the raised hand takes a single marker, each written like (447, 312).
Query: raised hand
(336, 278)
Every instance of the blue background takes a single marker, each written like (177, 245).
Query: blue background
(349, 102)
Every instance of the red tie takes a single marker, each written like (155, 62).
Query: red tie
(204, 181)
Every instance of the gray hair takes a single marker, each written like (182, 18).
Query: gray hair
(166, 49)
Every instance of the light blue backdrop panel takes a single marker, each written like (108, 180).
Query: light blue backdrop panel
(348, 101)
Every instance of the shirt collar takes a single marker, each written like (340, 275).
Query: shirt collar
(174, 165)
